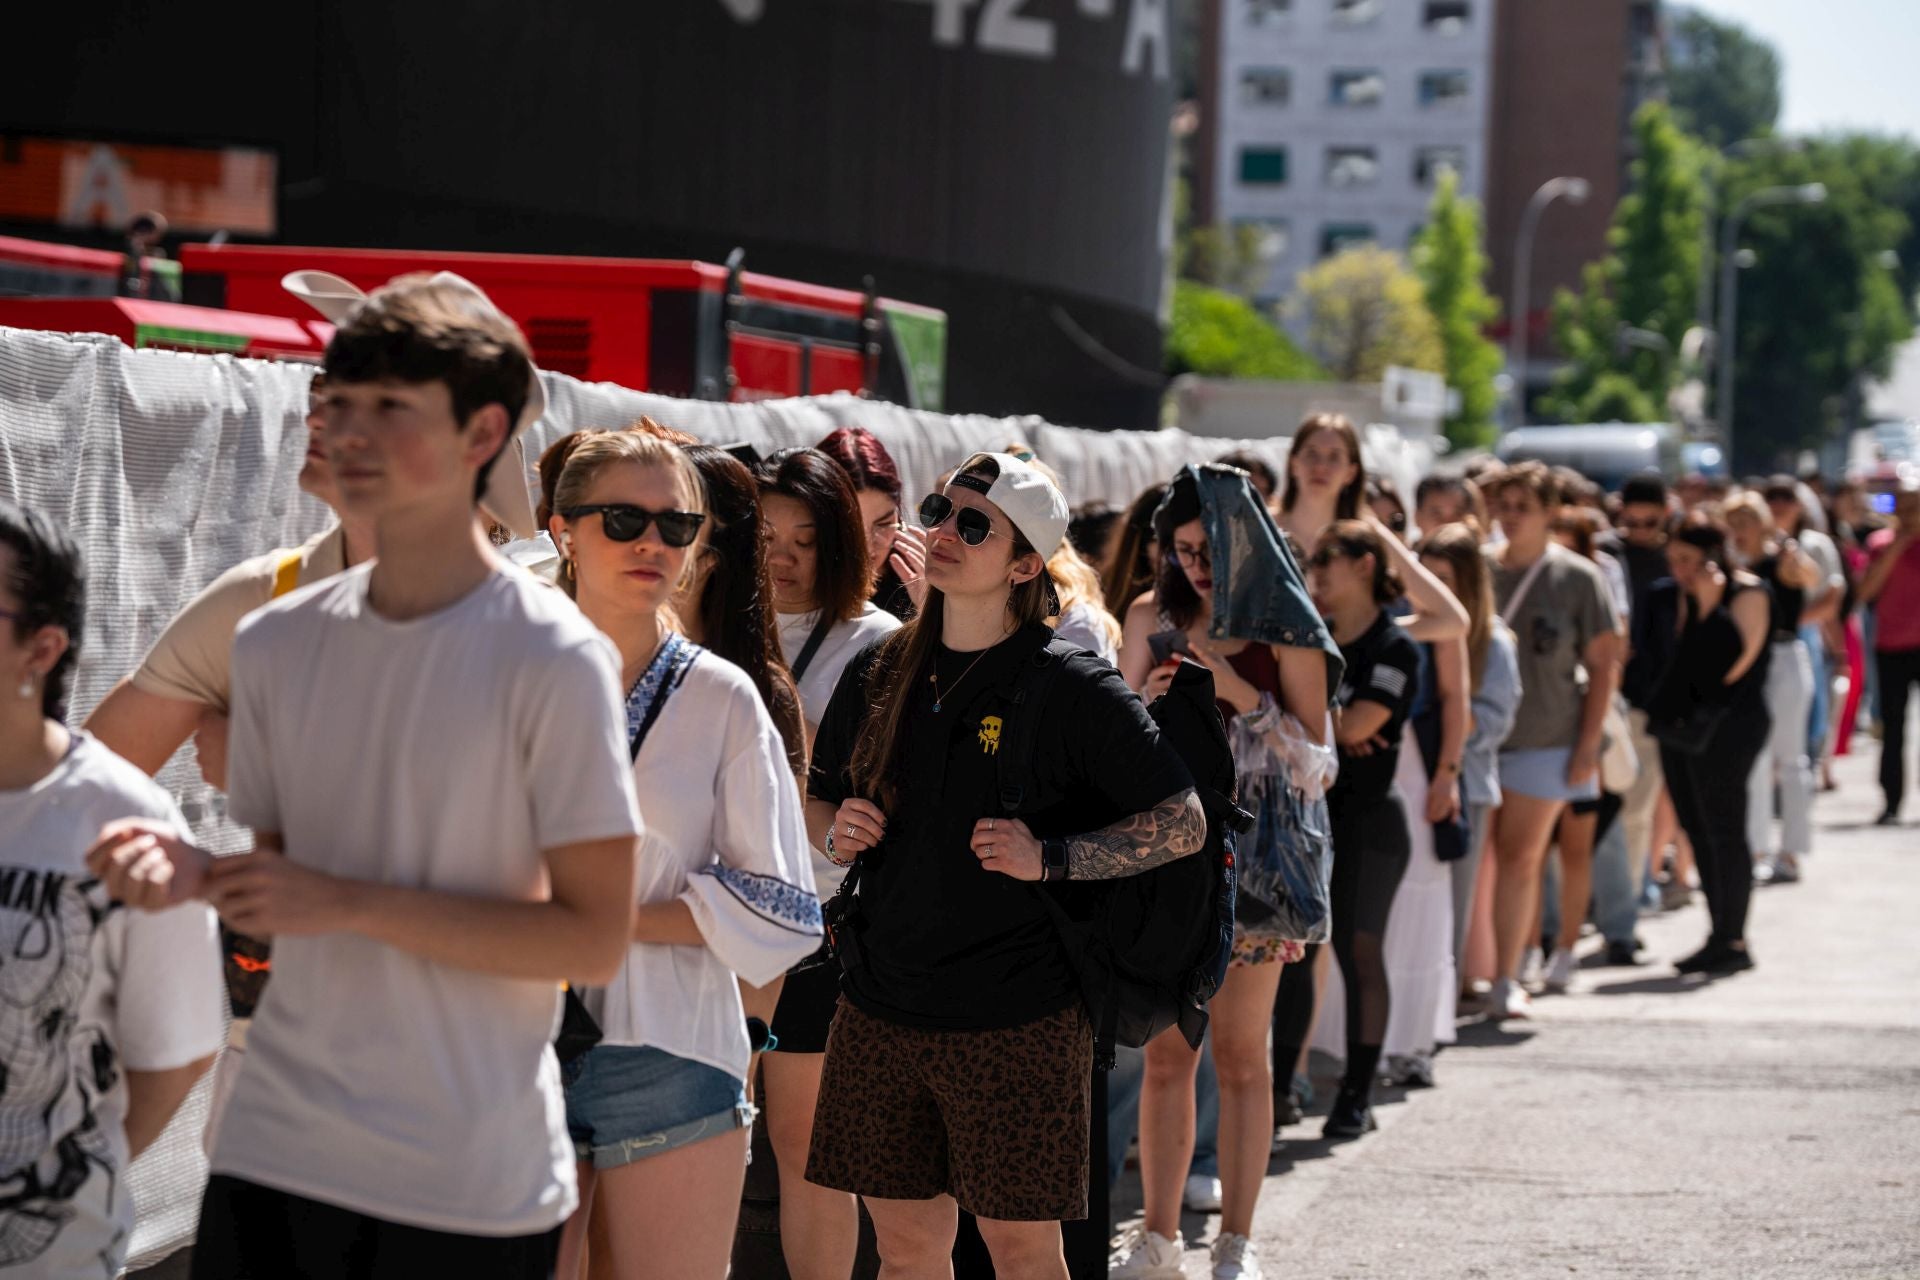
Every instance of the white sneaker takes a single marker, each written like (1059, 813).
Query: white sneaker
(1509, 1000)
(1560, 971)
(1147, 1255)
(1203, 1193)
(1531, 966)
(1234, 1259)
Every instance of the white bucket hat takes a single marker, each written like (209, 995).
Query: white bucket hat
(509, 495)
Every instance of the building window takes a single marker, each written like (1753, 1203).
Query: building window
(1263, 166)
(1265, 86)
(1260, 13)
(1446, 17)
(1272, 236)
(1355, 13)
(1443, 88)
(1428, 162)
(1336, 236)
(1356, 88)
(1352, 166)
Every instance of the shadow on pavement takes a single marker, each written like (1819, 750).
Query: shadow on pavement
(1487, 1033)
(1671, 984)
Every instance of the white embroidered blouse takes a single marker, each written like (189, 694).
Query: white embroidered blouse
(725, 835)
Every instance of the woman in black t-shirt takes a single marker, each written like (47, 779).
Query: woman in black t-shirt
(959, 1066)
(1354, 583)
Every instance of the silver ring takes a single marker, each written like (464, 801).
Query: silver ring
(989, 824)
(987, 849)
(849, 828)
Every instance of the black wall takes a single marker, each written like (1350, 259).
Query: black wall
(832, 138)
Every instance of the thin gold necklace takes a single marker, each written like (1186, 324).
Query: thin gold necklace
(933, 678)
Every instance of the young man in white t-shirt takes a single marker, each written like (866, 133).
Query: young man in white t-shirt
(107, 1017)
(430, 751)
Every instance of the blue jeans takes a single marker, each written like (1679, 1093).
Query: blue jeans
(1822, 709)
(1123, 1111)
(1616, 895)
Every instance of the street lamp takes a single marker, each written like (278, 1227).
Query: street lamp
(1576, 191)
(1805, 194)
(1710, 198)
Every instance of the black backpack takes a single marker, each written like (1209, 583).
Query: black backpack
(1150, 950)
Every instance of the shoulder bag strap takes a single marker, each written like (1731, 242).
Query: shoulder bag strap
(815, 638)
(1519, 596)
(650, 692)
(1020, 736)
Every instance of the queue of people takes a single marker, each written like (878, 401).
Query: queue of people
(561, 876)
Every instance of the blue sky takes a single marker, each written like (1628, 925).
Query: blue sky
(1849, 64)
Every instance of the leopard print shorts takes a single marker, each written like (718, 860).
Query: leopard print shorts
(996, 1119)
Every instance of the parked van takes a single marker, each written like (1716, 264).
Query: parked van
(1605, 452)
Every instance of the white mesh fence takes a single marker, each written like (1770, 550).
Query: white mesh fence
(169, 468)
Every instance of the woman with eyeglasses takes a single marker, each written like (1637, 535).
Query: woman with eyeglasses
(658, 1108)
(817, 548)
(959, 1068)
(1259, 686)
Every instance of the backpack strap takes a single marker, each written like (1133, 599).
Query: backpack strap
(1019, 739)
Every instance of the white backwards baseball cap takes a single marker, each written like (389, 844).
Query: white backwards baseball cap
(1032, 501)
(509, 493)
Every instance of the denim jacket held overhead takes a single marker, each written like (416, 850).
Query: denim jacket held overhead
(1259, 593)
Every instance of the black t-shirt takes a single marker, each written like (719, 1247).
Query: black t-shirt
(1787, 601)
(1654, 601)
(1383, 666)
(948, 944)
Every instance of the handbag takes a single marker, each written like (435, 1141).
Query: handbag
(1619, 764)
(1690, 732)
(1286, 862)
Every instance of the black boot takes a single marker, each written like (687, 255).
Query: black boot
(1351, 1117)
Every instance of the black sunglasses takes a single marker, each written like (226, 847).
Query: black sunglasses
(1323, 557)
(623, 522)
(972, 524)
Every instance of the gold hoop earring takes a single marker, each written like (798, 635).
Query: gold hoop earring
(566, 567)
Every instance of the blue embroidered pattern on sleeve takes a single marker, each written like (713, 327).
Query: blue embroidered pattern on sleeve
(771, 898)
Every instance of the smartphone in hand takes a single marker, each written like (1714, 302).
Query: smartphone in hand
(1165, 644)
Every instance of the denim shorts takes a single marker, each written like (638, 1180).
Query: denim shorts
(627, 1102)
(1541, 772)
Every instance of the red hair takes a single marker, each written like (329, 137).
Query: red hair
(864, 459)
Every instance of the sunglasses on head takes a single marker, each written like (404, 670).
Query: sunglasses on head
(624, 522)
(1323, 557)
(972, 524)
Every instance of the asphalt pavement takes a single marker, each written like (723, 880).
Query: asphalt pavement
(1644, 1125)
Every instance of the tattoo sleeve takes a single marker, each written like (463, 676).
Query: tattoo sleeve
(1174, 828)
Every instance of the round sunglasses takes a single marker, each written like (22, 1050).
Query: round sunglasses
(624, 522)
(972, 524)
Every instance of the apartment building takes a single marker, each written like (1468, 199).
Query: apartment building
(1326, 123)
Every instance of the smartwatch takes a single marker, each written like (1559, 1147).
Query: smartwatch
(1053, 859)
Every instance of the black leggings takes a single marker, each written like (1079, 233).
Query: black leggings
(1370, 854)
(1710, 798)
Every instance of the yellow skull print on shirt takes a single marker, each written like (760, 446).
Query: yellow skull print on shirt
(990, 735)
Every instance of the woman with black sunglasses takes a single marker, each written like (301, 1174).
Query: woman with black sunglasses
(959, 1068)
(658, 1108)
(817, 561)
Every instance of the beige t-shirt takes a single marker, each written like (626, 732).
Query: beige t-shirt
(189, 662)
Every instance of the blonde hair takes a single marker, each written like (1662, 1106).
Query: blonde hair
(1747, 503)
(1078, 582)
(592, 452)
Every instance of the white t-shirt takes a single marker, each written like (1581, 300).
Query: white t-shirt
(843, 643)
(725, 835)
(87, 993)
(445, 753)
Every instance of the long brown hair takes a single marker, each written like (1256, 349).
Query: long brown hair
(1346, 505)
(1459, 546)
(1127, 569)
(904, 660)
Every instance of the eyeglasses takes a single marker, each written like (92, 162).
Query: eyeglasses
(1322, 558)
(1202, 556)
(972, 524)
(624, 522)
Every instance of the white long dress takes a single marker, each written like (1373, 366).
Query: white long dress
(1419, 944)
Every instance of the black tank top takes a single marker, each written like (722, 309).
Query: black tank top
(1787, 601)
(1708, 647)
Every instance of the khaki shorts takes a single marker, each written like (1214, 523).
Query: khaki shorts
(996, 1119)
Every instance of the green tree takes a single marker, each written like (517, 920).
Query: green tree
(1649, 279)
(1723, 81)
(1222, 336)
(1450, 258)
(1365, 311)
(1830, 294)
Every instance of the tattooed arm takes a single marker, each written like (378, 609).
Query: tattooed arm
(1174, 828)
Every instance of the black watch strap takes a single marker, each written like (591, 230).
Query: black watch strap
(1053, 859)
